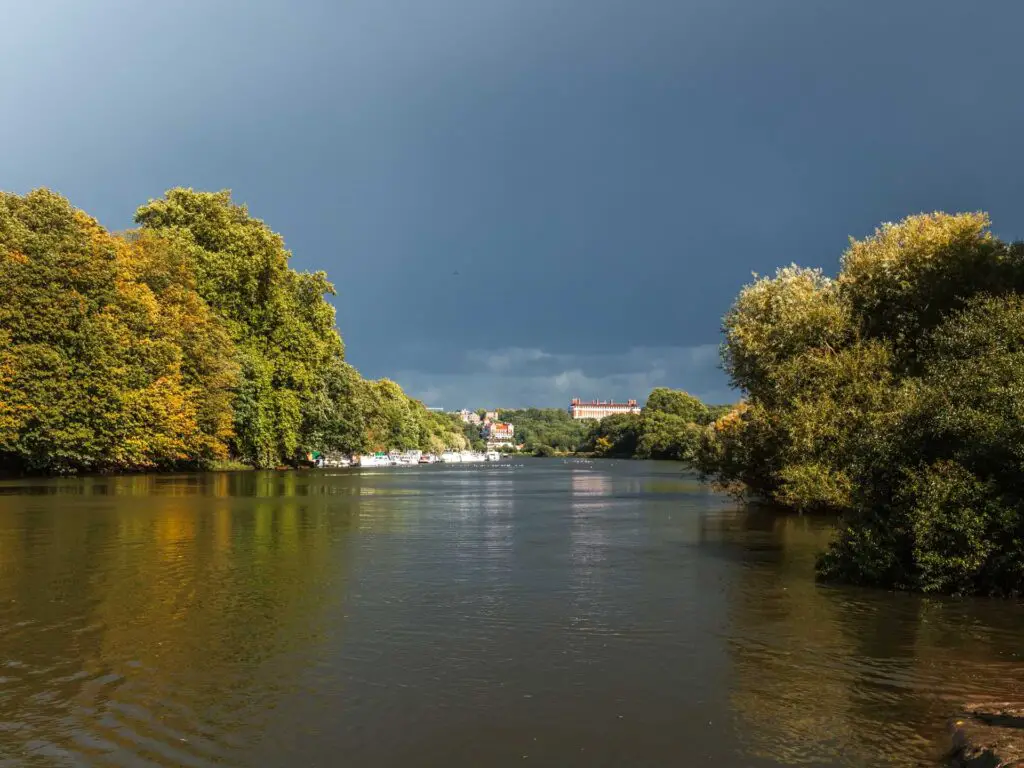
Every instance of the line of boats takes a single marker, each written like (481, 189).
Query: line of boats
(408, 459)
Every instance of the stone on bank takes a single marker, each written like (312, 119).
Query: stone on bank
(988, 735)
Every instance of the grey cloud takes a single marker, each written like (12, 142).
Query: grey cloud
(544, 379)
(507, 359)
(592, 180)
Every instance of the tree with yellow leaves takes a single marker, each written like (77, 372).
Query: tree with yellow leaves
(110, 359)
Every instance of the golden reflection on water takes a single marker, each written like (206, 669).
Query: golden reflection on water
(142, 618)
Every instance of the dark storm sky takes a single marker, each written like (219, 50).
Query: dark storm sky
(602, 175)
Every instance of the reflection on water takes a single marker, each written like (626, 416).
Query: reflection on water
(125, 601)
(610, 613)
(822, 671)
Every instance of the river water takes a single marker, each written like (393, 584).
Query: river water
(544, 612)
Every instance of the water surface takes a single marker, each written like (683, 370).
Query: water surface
(548, 612)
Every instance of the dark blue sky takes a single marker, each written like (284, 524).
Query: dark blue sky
(603, 175)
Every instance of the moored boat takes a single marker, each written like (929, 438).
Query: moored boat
(374, 460)
(335, 461)
(404, 458)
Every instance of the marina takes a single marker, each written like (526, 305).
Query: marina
(403, 459)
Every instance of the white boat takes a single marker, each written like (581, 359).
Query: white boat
(374, 460)
(406, 459)
(335, 461)
(493, 456)
(451, 457)
(428, 458)
(411, 458)
(469, 457)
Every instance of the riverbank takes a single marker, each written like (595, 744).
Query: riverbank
(988, 735)
(222, 465)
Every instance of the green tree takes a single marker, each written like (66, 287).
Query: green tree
(444, 432)
(392, 422)
(670, 427)
(109, 358)
(890, 395)
(908, 277)
(667, 436)
(334, 416)
(616, 435)
(552, 427)
(776, 319)
(718, 411)
(178, 344)
(471, 434)
(675, 402)
(281, 324)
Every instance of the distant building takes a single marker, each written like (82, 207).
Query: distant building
(598, 409)
(498, 433)
(469, 417)
(490, 416)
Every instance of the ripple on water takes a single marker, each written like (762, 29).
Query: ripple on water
(459, 616)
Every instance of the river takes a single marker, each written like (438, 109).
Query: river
(545, 612)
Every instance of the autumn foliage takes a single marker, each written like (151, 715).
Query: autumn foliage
(182, 343)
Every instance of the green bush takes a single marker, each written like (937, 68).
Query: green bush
(891, 395)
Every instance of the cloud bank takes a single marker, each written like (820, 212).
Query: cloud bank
(517, 377)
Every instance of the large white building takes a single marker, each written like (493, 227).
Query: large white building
(598, 409)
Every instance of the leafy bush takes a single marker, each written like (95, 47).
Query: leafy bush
(893, 396)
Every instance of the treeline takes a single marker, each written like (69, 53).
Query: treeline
(183, 343)
(893, 394)
(537, 429)
(668, 427)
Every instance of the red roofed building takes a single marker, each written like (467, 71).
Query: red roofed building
(499, 433)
